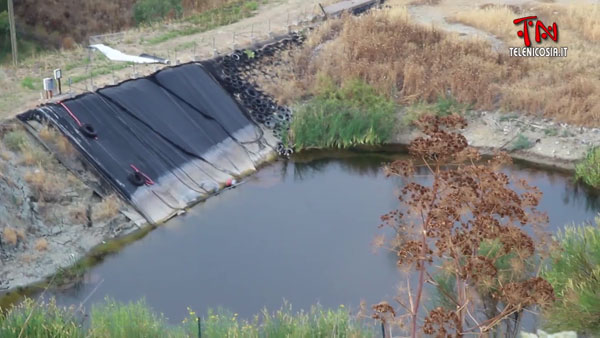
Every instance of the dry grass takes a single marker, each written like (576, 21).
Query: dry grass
(78, 214)
(567, 89)
(9, 236)
(41, 244)
(52, 136)
(403, 60)
(33, 155)
(43, 185)
(107, 209)
(425, 2)
(414, 63)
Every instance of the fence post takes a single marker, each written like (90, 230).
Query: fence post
(214, 46)
(199, 327)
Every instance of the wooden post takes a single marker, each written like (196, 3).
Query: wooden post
(13, 33)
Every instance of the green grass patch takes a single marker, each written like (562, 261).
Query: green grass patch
(31, 83)
(520, 143)
(101, 71)
(207, 20)
(148, 11)
(343, 117)
(15, 140)
(136, 319)
(444, 106)
(588, 170)
(574, 272)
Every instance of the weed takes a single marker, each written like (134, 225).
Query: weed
(148, 11)
(35, 156)
(251, 5)
(343, 117)
(9, 235)
(505, 118)
(107, 209)
(31, 319)
(588, 170)
(43, 185)
(41, 244)
(521, 143)
(444, 106)
(574, 272)
(30, 83)
(551, 132)
(15, 140)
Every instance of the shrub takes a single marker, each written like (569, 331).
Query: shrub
(574, 272)
(41, 244)
(147, 11)
(15, 140)
(588, 170)
(107, 209)
(31, 319)
(470, 226)
(520, 143)
(113, 319)
(343, 117)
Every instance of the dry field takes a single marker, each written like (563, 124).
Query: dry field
(412, 62)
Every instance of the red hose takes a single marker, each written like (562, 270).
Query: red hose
(71, 113)
(149, 181)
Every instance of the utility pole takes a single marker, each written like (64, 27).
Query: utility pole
(13, 33)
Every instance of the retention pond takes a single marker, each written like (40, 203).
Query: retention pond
(299, 231)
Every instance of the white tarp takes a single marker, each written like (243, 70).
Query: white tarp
(116, 55)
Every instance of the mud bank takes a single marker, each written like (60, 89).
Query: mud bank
(535, 140)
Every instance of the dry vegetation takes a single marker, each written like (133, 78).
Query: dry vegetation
(75, 20)
(414, 63)
(401, 59)
(564, 88)
(107, 209)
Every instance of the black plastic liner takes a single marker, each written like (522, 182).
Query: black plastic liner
(164, 141)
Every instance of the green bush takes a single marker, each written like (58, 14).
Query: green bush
(251, 5)
(588, 170)
(147, 11)
(574, 272)
(520, 143)
(15, 140)
(343, 117)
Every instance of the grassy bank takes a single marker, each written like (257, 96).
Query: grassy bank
(343, 117)
(588, 170)
(114, 319)
(574, 273)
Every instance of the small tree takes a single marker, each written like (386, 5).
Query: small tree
(465, 235)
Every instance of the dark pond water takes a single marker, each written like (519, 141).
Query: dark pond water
(299, 231)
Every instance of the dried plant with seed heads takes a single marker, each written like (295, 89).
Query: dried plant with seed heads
(466, 234)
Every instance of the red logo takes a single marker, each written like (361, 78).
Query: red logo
(541, 31)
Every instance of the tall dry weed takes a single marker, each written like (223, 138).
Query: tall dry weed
(403, 60)
(567, 89)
